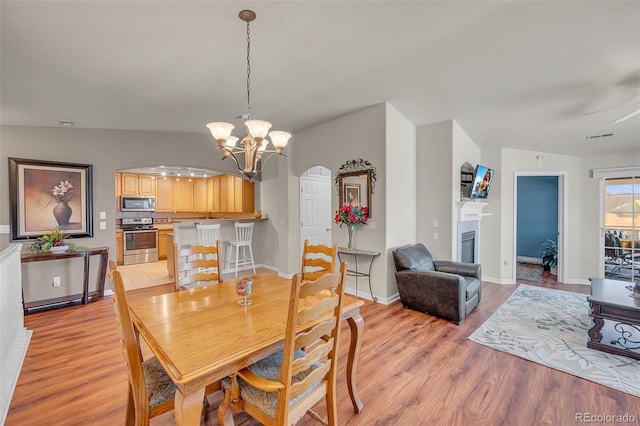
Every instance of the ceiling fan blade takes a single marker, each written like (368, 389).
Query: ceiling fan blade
(626, 117)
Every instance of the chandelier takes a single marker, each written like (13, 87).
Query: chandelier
(254, 145)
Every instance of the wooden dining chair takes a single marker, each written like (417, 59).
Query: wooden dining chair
(317, 260)
(281, 388)
(151, 391)
(197, 265)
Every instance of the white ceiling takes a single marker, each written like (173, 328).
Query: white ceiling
(518, 74)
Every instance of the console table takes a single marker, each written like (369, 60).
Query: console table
(103, 252)
(611, 300)
(368, 256)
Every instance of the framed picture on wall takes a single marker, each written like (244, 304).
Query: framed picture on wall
(45, 194)
(351, 195)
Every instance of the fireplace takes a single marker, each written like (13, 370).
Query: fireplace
(467, 241)
(468, 247)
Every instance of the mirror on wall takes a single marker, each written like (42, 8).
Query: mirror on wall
(356, 180)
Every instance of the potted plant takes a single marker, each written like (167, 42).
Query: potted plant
(54, 241)
(550, 255)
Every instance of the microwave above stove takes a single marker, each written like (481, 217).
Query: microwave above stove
(137, 203)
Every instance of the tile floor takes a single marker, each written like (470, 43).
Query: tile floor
(143, 275)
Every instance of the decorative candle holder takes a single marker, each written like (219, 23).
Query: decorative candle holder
(244, 288)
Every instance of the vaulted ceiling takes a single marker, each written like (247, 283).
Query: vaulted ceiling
(527, 75)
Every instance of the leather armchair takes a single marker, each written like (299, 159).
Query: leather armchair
(446, 289)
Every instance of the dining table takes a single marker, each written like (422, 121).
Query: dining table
(202, 335)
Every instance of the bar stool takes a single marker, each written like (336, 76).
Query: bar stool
(244, 233)
(208, 233)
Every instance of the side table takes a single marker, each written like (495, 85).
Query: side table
(103, 252)
(367, 255)
(611, 301)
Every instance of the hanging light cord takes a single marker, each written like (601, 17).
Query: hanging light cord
(248, 72)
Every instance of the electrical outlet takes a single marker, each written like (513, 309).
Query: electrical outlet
(435, 235)
(4, 229)
(103, 225)
(56, 281)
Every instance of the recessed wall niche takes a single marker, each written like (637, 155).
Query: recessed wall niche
(466, 179)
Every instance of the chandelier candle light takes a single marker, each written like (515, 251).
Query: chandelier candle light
(351, 216)
(254, 145)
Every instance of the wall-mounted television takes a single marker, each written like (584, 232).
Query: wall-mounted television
(481, 182)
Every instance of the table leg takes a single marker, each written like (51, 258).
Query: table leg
(356, 324)
(188, 408)
(85, 283)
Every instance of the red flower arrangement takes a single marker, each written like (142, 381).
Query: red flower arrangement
(351, 215)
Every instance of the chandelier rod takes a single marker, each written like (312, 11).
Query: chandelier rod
(248, 70)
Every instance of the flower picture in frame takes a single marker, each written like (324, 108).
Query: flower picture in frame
(46, 195)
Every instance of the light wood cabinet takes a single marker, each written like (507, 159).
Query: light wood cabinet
(118, 190)
(129, 183)
(119, 248)
(200, 199)
(216, 194)
(146, 185)
(184, 195)
(163, 244)
(223, 193)
(165, 194)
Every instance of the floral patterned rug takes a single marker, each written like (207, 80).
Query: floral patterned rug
(529, 272)
(549, 327)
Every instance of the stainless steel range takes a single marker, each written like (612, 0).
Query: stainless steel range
(140, 240)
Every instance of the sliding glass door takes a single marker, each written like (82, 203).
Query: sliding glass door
(622, 228)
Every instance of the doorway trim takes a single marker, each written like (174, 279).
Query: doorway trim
(563, 187)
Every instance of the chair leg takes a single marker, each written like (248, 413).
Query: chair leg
(229, 250)
(237, 251)
(253, 265)
(130, 414)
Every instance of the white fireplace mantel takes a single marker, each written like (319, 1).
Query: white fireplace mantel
(471, 210)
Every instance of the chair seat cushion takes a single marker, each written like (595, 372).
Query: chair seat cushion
(269, 368)
(473, 287)
(160, 388)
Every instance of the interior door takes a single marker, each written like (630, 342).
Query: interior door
(315, 210)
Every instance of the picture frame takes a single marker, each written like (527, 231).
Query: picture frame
(359, 177)
(351, 194)
(44, 195)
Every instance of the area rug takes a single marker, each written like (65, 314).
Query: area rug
(549, 327)
(529, 272)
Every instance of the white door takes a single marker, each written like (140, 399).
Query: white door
(315, 210)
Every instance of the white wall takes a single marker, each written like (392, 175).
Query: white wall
(357, 135)
(514, 160)
(401, 180)
(434, 159)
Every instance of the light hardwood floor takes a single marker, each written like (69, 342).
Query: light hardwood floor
(414, 369)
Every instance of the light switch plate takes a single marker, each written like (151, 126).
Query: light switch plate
(4, 229)
(103, 215)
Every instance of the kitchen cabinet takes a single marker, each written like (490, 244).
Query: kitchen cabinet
(163, 245)
(165, 194)
(215, 196)
(129, 183)
(200, 198)
(223, 192)
(184, 195)
(146, 185)
(135, 184)
(118, 190)
(119, 247)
